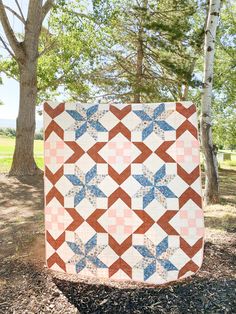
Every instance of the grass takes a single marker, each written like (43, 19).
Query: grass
(223, 216)
(7, 145)
(227, 164)
(5, 163)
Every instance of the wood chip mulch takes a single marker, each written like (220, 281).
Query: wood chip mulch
(28, 288)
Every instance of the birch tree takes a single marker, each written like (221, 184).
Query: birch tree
(211, 193)
(25, 52)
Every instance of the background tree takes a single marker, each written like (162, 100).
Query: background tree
(57, 61)
(147, 54)
(66, 55)
(224, 127)
(211, 184)
(223, 93)
(25, 53)
(224, 100)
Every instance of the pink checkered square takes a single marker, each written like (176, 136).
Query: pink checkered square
(54, 152)
(54, 217)
(187, 151)
(120, 152)
(191, 222)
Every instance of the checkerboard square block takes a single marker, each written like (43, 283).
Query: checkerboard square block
(123, 190)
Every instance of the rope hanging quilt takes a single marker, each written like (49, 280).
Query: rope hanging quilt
(123, 190)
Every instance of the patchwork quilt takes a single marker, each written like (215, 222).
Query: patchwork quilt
(123, 190)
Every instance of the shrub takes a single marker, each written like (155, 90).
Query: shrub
(9, 132)
(39, 135)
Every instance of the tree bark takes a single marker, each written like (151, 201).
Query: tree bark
(139, 69)
(140, 53)
(211, 193)
(23, 158)
(185, 92)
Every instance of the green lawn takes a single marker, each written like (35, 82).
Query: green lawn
(7, 145)
(5, 163)
(6, 152)
(228, 164)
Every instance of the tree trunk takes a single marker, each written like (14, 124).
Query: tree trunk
(212, 183)
(185, 92)
(23, 159)
(139, 69)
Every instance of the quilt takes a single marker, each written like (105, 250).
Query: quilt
(123, 190)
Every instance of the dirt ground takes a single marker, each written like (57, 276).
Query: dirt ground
(27, 287)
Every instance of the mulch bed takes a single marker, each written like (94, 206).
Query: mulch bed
(28, 288)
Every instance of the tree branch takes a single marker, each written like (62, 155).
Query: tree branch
(46, 49)
(60, 78)
(10, 75)
(47, 7)
(112, 94)
(6, 47)
(21, 13)
(15, 45)
(15, 13)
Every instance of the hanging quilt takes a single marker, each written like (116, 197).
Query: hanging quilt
(123, 190)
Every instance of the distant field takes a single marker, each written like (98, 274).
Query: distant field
(7, 149)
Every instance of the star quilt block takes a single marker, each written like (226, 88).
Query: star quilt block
(123, 190)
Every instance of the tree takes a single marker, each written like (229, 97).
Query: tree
(71, 62)
(25, 53)
(66, 48)
(224, 101)
(211, 185)
(223, 94)
(146, 55)
(225, 56)
(224, 127)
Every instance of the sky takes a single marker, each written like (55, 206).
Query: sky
(9, 91)
(9, 95)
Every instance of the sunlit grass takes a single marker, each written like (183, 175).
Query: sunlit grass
(7, 145)
(5, 163)
(228, 164)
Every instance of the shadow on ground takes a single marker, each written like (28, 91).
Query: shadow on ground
(26, 287)
(196, 296)
(212, 290)
(21, 191)
(227, 185)
(226, 222)
(21, 213)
